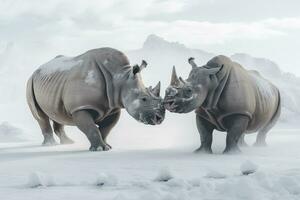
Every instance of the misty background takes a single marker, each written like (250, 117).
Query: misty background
(261, 35)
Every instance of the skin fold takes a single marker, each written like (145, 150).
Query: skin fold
(89, 91)
(225, 97)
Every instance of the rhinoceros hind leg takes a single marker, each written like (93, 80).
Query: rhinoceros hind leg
(205, 129)
(85, 122)
(60, 132)
(261, 137)
(236, 125)
(262, 134)
(107, 124)
(47, 131)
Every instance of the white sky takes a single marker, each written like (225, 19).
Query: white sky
(269, 28)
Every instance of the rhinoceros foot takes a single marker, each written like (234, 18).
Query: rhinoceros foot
(100, 148)
(232, 150)
(260, 144)
(49, 141)
(66, 140)
(204, 150)
(110, 147)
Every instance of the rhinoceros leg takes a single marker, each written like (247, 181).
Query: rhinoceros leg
(60, 132)
(47, 131)
(262, 134)
(242, 142)
(107, 124)
(205, 129)
(261, 138)
(236, 125)
(85, 122)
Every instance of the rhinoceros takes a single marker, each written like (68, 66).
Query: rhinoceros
(89, 91)
(225, 97)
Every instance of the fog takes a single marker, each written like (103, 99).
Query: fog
(149, 162)
(161, 55)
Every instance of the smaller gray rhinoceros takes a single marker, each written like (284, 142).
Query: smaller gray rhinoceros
(226, 97)
(89, 91)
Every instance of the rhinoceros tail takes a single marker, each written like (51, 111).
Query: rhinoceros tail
(32, 103)
(278, 111)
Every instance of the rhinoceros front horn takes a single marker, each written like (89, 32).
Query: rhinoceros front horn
(174, 78)
(192, 62)
(156, 89)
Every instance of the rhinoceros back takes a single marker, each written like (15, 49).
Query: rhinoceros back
(49, 84)
(65, 85)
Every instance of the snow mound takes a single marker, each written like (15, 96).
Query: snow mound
(215, 174)
(248, 167)
(178, 182)
(38, 179)
(106, 180)
(164, 175)
(10, 133)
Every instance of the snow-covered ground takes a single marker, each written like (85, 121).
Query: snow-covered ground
(147, 162)
(29, 171)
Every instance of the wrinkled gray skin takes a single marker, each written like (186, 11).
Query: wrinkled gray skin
(225, 97)
(89, 91)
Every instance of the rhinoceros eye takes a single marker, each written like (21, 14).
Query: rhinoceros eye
(144, 99)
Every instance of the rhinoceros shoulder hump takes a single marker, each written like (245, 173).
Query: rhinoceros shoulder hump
(58, 64)
(218, 61)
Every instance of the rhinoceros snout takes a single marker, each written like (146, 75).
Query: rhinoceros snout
(158, 119)
(170, 104)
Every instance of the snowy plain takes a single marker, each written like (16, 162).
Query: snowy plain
(29, 171)
(146, 162)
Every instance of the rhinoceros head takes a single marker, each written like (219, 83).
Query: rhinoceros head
(143, 103)
(183, 96)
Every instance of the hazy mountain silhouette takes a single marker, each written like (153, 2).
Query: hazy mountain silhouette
(161, 55)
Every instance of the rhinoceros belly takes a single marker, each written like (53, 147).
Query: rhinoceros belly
(48, 91)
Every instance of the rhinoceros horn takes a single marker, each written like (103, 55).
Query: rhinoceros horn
(174, 78)
(192, 62)
(156, 89)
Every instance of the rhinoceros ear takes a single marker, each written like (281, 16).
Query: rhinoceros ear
(156, 89)
(136, 69)
(192, 62)
(214, 70)
(143, 65)
(174, 78)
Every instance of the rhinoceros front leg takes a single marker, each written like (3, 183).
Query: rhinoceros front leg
(85, 122)
(242, 142)
(205, 129)
(107, 124)
(236, 125)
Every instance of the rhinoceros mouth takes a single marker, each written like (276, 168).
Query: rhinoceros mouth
(178, 105)
(170, 105)
(157, 119)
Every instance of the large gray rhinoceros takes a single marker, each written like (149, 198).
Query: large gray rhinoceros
(89, 91)
(226, 97)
